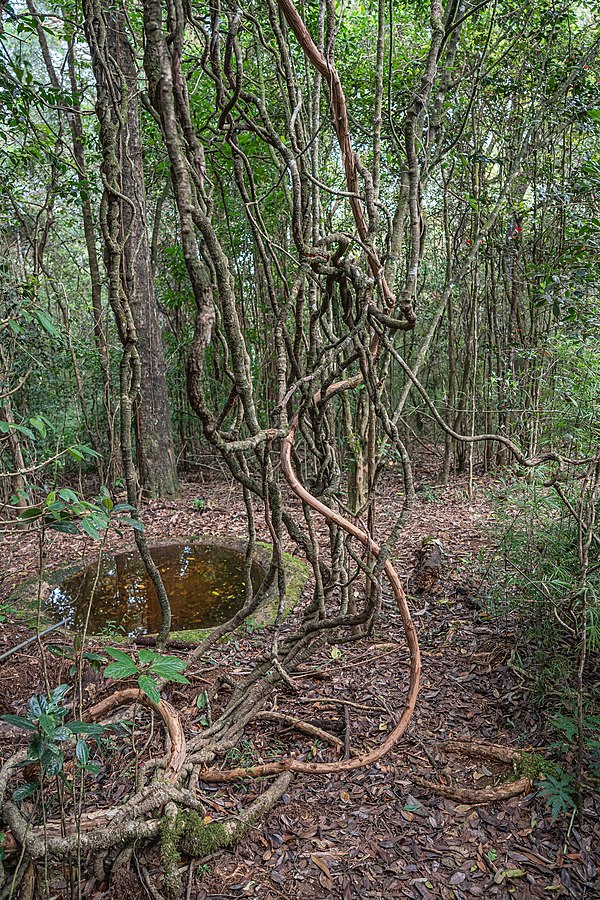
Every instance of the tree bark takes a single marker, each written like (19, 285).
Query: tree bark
(153, 427)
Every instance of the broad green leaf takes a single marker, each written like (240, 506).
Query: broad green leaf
(119, 655)
(94, 657)
(133, 523)
(39, 425)
(89, 527)
(147, 656)
(34, 512)
(47, 724)
(122, 507)
(78, 727)
(86, 452)
(167, 666)
(25, 791)
(25, 430)
(148, 686)
(68, 495)
(64, 526)
(37, 705)
(82, 751)
(19, 722)
(180, 679)
(123, 667)
(60, 692)
(46, 322)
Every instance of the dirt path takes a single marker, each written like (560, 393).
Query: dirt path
(374, 834)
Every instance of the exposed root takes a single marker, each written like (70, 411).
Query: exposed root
(185, 832)
(479, 751)
(96, 840)
(167, 712)
(476, 795)
(480, 795)
(294, 765)
(101, 829)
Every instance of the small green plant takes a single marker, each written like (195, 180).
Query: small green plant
(110, 628)
(6, 610)
(558, 792)
(202, 703)
(428, 493)
(198, 504)
(314, 749)
(96, 660)
(567, 726)
(45, 719)
(243, 756)
(151, 666)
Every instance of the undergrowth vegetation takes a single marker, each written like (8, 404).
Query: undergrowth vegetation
(534, 583)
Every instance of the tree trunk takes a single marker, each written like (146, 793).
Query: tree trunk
(153, 427)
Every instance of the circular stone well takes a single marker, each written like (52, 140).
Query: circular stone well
(205, 583)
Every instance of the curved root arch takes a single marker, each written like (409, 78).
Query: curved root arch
(103, 822)
(168, 714)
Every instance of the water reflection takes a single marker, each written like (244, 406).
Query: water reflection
(206, 586)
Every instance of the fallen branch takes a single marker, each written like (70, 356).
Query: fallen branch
(304, 727)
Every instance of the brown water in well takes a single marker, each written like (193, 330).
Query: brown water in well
(206, 585)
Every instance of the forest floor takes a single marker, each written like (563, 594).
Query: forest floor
(372, 833)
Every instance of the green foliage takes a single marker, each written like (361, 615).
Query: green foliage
(202, 703)
(67, 511)
(95, 660)
(7, 610)
(567, 726)
(45, 721)
(558, 792)
(150, 667)
(243, 755)
(554, 785)
(539, 586)
(535, 577)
